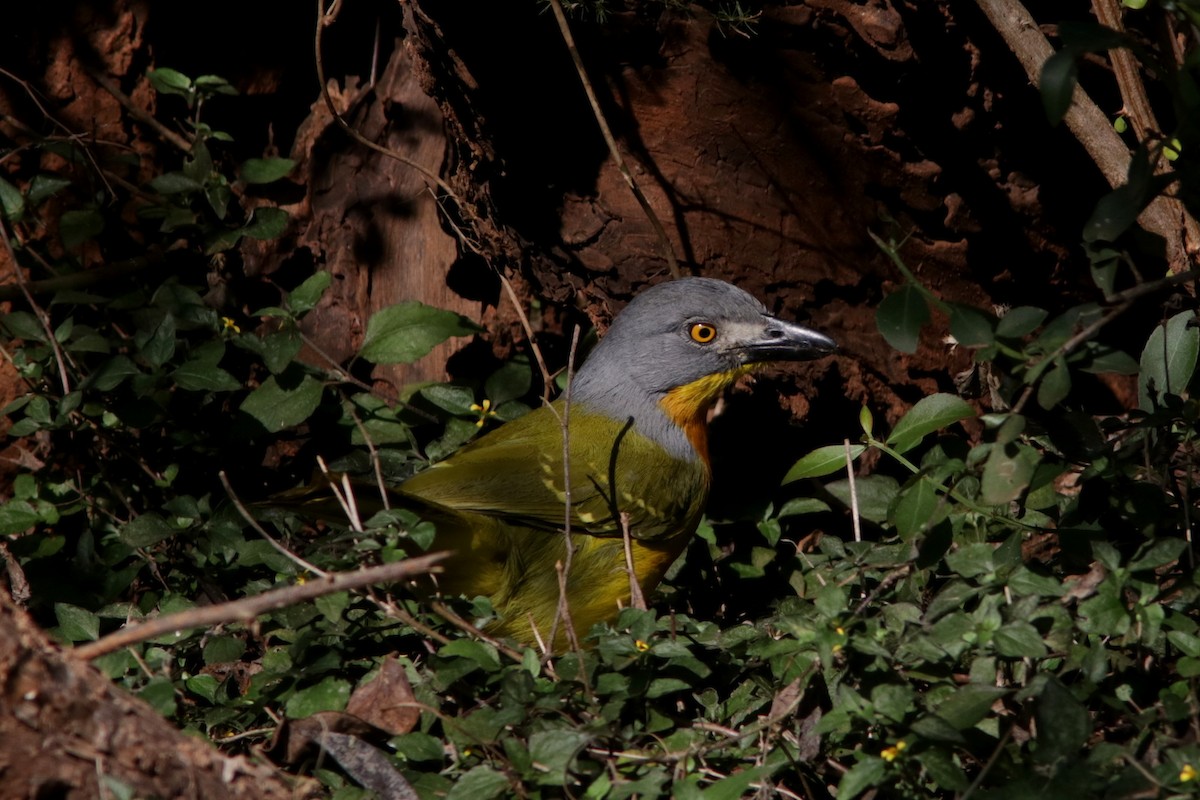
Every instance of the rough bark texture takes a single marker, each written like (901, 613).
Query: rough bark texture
(66, 729)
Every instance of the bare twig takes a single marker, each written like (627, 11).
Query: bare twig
(248, 608)
(376, 464)
(324, 19)
(636, 598)
(444, 611)
(853, 493)
(246, 515)
(42, 317)
(79, 280)
(606, 131)
(1087, 121)
(140, 114)
(547, 378)
(562, 612)
(1068, 346)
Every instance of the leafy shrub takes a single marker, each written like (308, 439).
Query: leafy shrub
(1007, 608)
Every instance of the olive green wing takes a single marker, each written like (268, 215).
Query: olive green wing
(516, 473)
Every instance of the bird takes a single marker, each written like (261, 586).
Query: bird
(634, 465)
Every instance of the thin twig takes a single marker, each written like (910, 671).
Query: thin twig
(1068, 346)
(636, 598)
(246, 515)
(606, 131)
(42, 316)
(323, 20)
(444, 611)
(564, 421)
(853, 492)
(79, 280)
(248, 608)
(547, 378)
(376, 464)
(140, 114)
(572, 637)
(344, 495)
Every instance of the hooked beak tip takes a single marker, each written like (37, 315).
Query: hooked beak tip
(786, 341)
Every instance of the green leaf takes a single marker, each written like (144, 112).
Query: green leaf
(331, 694)
(223, 649)
(169, 81)
(1019, 640)
(279, 349)
(402, 333)
(1055, 385)
(660, 687)
(869, 772)
(479, 783)
(1162, 553)
(279, 405)
(928, 415)
(1007, 473)
(418, 746)
(159, 692)
(12, 202)
(914, 512)
(736, 785)
(24, 325)
(1168, 361)
(1060, 73)
(266, 170)
(174, 183)
(1020, 321)
(822, 461)
(200, 375)
(553, 751)
(78, 226)
(45, 186)
(875, 495)
(1118, 210)
(1063, 724)
(969, 704)
(17, 516)
(482, 654)
(901, 316)
(268, 222)
(145, 530)
(971, 327)
(76, 624)
(112, 373)
(306, 296)
(802, 505)
(511, 382)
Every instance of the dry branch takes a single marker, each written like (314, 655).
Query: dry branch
(249, 607)
(1090, 125)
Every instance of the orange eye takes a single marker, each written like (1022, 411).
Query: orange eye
(702, 332)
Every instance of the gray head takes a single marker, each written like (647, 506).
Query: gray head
(679, 332)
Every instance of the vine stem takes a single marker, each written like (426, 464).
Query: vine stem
(606, 132)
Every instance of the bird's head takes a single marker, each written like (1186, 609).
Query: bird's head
(681, 343)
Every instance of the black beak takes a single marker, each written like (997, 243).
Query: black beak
(786, 341)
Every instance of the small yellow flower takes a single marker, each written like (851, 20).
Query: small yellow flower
(230, 325)
(641, 646)
(890, 754)
(1188, 773)
(301, 579)
(840, 631)
(484, 411)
